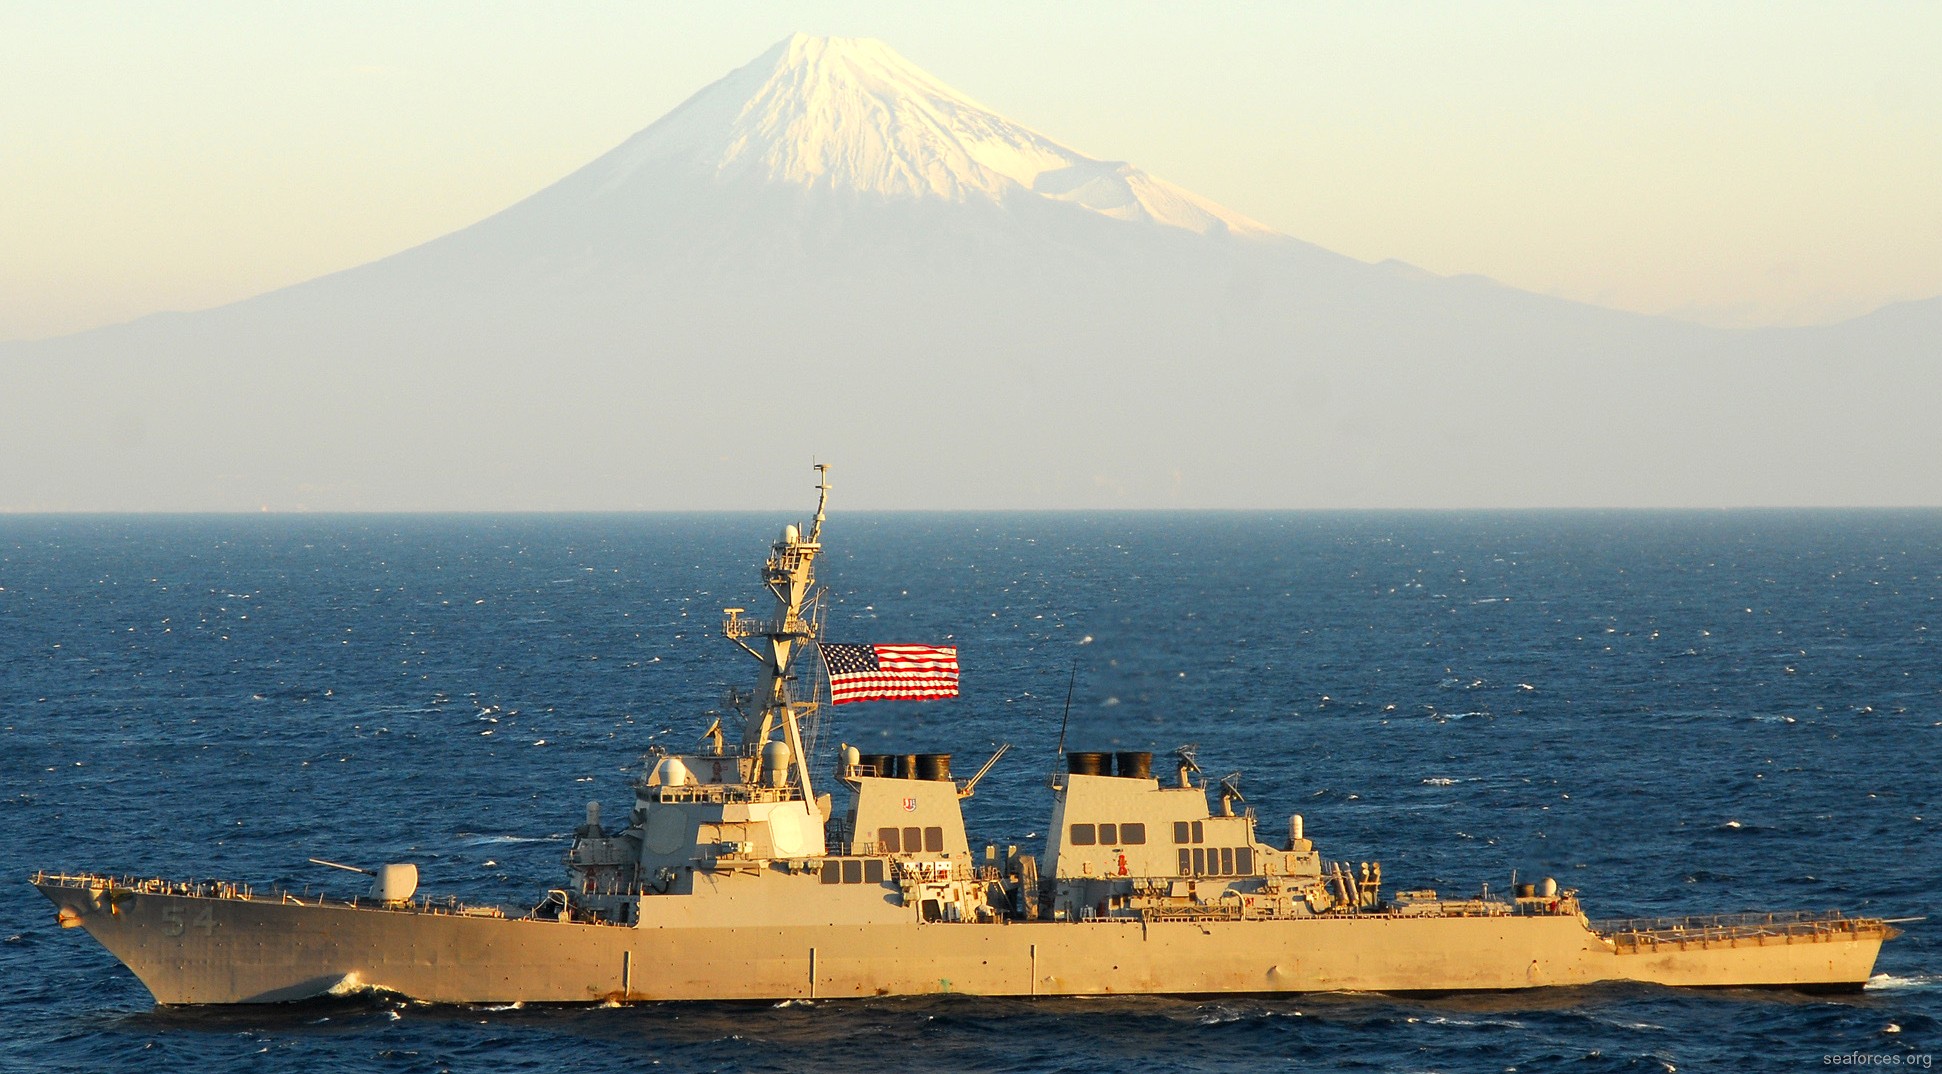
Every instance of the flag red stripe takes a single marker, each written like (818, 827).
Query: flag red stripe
(903, 673)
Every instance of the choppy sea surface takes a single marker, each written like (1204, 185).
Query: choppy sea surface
(1671, 712)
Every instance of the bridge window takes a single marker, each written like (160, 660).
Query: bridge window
(1182, 832)
(1108, 834)
(1132, 835)
(890, 841)
(1200, 862)
(1227, 861)
(913, 838)
(1186, 862)
(1244, 861)
(1199, 836)
(934, 840)
(852, 871)
(1083, 835)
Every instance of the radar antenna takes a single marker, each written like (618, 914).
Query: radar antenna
(822, 498)
(1230, 792)
(790, 576)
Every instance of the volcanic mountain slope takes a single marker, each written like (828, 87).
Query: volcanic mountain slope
(830, 253)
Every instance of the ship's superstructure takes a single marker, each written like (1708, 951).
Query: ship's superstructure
(702, 819)
(732, 878)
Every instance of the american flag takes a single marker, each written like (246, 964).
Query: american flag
(890, 672)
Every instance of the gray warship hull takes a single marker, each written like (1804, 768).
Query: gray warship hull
(732, 879)
(211, 945)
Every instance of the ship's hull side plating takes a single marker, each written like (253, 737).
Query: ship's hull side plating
(194, 949)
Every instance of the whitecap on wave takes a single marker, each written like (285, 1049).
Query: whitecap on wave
(1888, 982)
(1218, 1016)
(1743, 826)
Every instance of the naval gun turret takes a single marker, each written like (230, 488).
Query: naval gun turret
(392, 884)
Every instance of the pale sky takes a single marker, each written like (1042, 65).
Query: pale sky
(1737, 163)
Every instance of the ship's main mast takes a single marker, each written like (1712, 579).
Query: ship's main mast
(790, 575)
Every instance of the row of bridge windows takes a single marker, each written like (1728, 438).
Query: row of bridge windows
(852, 871)
(1112, 835)
(912, 840)
(1217, 861)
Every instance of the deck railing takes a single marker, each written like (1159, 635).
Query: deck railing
(1715, 928)
(116, 887)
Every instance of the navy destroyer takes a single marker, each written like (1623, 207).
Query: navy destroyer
(731, 877)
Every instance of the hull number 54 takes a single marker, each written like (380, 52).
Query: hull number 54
(173, 925)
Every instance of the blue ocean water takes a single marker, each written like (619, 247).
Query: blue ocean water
(1672, 712)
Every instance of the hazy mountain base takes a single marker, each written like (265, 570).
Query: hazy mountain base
(961, 354)
(830, 253)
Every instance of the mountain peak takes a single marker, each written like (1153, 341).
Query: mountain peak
(806, 51)
(850, 114)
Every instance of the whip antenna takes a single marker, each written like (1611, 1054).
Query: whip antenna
(1069, 684)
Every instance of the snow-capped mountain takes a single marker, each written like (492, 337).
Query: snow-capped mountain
(829, 252)
(847, 114)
